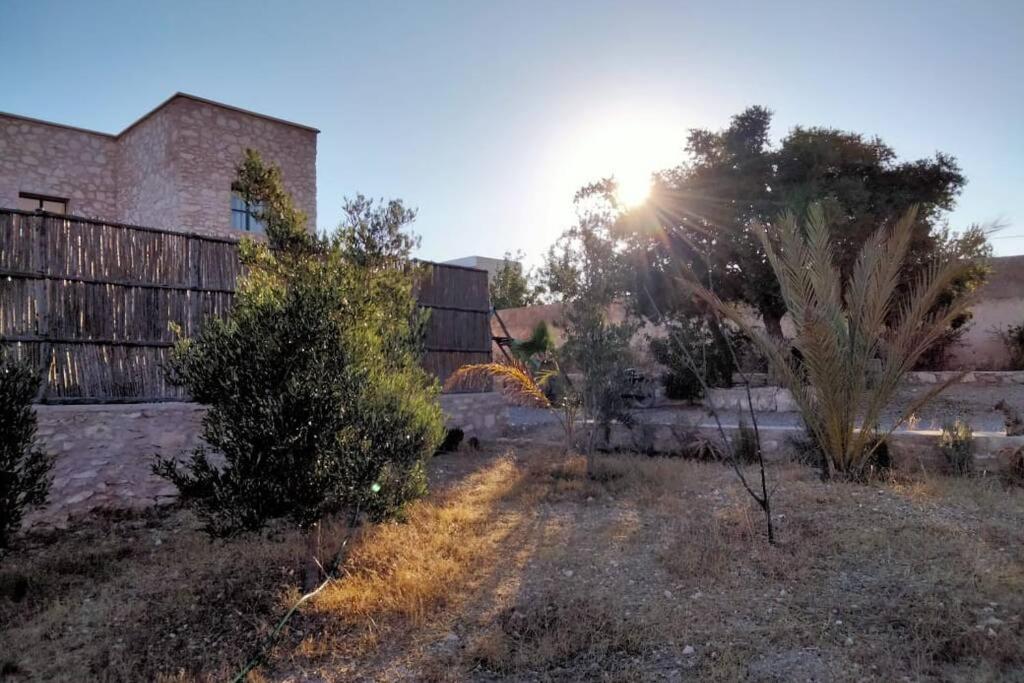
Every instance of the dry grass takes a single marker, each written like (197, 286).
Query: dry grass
(591, 637)
(132, 598)
(406, 570)
(523, 567)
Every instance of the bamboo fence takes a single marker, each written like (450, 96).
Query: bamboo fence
(91, 304)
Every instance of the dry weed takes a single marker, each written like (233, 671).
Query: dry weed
(591, 637)
(138, 597)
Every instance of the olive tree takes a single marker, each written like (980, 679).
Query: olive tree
(317, 402)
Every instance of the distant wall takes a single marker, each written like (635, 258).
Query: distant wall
(521, 322)
(1000, 304)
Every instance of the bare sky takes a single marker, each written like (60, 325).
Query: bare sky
(487, 116)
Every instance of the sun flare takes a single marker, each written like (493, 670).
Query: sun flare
(625, 144)
(632, 189)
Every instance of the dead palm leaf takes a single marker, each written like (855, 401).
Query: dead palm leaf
(517, 384)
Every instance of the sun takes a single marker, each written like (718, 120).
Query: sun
(626, 143)
(632, 189)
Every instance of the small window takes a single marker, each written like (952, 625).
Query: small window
(243, 215)
(28, 201)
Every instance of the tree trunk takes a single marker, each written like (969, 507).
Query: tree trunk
(311, 572)
(773, 324)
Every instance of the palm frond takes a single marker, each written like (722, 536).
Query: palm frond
(517, 384)
(839, 334)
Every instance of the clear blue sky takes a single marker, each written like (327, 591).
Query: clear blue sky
(486, 116)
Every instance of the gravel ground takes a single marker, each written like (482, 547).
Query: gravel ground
(973, 403)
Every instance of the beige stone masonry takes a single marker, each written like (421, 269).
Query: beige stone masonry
(105, 453)
(171, 169)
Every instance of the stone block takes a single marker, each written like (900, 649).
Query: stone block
(785, 403)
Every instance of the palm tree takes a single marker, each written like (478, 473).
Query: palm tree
(842, 330)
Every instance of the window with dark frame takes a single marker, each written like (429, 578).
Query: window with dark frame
(29, 201)
(243, 215)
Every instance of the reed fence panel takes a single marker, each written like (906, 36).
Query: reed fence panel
(91, 304)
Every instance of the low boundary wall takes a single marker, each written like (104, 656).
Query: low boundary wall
(910, 450)
(982, 377)
(105, 452)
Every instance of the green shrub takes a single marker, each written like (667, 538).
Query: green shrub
(957, 445)
(692, 445)
(600, 351)
(534, 350)
(705, 342)
(24, 468)
(1011, 470)
(317, 402)
(806, 451)
(877, 458)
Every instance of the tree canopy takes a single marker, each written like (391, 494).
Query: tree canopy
(317, 401)
(702, 213)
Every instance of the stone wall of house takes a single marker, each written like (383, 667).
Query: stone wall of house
(105, 452)
(172, 169)
(47, 159)
(208, 142)
(148, 188)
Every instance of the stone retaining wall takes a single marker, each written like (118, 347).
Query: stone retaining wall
(983, 377)
(481, 415)
(105, 452)
(768, 398)
(764, 399)
(996, 378)
(910, 451)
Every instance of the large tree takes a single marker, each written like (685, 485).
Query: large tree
(317, 402)
(703, 212)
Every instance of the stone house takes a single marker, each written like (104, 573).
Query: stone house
(170, 169)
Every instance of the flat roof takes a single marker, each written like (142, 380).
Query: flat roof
(177, 95)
